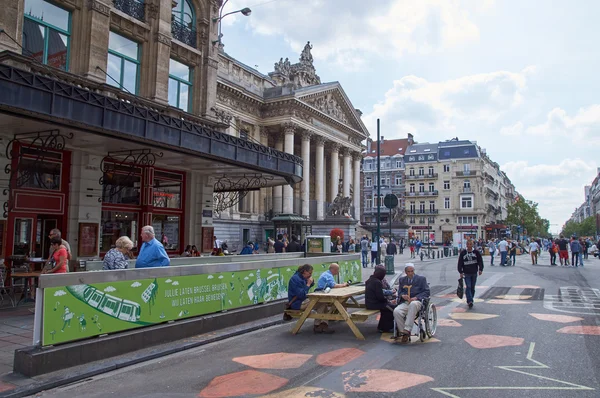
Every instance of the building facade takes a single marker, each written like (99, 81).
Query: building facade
(392, 181)
(120, 114)
(454, 192)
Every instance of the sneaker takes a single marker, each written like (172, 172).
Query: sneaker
(470, 305)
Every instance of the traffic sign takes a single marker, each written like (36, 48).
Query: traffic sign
(390, 201)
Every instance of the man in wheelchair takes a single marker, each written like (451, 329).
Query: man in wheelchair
(413, 294)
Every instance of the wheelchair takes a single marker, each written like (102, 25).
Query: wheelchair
(426, 321)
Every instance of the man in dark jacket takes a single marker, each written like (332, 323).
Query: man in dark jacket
(410, 304)
(294, 245)
(391, 250)
(470, 263)
(298, 287)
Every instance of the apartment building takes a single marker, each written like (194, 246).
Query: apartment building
(392, 181)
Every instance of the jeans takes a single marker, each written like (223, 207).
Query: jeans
(574, 258)
(365, 259)
(581, 259)
(470, 281)
(492, 257)
(503, 258)
(512, 258)
(552, 257)
(374, 257)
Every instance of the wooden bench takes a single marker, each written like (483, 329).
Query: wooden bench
(363, 315)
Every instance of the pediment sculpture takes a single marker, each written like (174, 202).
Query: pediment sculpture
(329, 106)
(301, 74)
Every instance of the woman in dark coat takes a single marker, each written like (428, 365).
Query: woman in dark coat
(376, 300)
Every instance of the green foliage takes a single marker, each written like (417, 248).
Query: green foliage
(525, 213)
(585, 228)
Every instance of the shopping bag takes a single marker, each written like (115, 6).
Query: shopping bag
(460, 290)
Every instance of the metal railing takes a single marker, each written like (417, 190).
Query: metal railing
(133, 8)
(469, 173)
(422, 176)
(183, 33)
(425, 212)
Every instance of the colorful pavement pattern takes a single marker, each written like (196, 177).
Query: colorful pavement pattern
(377, 380)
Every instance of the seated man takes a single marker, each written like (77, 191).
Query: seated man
(410, 305)
(298, 287)
(326, 280)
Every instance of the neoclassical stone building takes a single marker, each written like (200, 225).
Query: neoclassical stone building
(123, 113)
(292, 111)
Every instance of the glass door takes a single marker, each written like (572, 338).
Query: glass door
(23, 236)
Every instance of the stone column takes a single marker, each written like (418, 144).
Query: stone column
(264, 192)
(90, 40)
(306, 173)
(320, 176)
(278, 190)
(288, 192)
(335, 171)
(12, 23)
(347, 173)
(357, 191)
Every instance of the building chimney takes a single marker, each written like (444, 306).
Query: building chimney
(412, 141)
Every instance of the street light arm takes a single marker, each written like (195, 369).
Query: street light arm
(229, 13)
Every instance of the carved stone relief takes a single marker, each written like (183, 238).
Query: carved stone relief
(238, 104)
(99, 7)
(329, 106)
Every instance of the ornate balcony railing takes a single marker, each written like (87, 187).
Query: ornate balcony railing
(422, 176)
(425, 212)
(133, 8)
(183, 33)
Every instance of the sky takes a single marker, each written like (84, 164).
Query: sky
(520, 78)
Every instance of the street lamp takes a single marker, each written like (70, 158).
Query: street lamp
(245, 12)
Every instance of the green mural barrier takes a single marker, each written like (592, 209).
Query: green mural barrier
(82, 311)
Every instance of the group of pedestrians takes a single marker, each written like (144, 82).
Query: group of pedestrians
(386, 247)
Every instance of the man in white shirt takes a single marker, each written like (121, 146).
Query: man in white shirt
(503, 247)
(373, 253)
(533, 250)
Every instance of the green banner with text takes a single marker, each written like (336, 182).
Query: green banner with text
(82, 311)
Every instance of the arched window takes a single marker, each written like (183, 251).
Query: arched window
(183, 23)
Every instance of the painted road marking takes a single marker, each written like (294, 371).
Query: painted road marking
(538, 365)
(575, 300)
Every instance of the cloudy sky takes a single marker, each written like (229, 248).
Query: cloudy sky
(520, 78)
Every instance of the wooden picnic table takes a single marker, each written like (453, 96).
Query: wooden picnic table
(339, 300)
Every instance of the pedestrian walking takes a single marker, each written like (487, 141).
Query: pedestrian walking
(503, 248)
(374, 253)
(364, 251)
(583, 249)
(553, 249)
(492, 247)
(513, 254)
(470, 264)
(575, 249)
(563, 251)
(401, 244)
(534, 249)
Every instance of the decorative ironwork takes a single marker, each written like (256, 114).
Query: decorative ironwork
(229, 191)
(183, 33)
(36, 146)
(126, 163)
(133, 8)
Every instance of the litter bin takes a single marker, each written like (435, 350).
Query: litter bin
(456, 251)
(445, 251)
(389, 265)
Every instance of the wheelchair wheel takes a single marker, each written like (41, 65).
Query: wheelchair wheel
(431, 320)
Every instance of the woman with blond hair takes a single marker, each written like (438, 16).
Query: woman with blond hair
(117, 258)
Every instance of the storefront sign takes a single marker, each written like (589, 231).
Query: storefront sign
(466, 227)
(82, 311)
(421, 227)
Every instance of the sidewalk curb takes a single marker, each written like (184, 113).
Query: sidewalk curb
(50, 384)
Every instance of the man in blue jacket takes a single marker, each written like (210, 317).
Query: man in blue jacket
(410, 305)
(298, 287)
(152, 253)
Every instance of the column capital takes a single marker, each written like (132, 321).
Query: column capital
(306, 135)
(334, 146)
(289, 127)
(264, 131)
(345, 151)
(356, 156)
(318, 140)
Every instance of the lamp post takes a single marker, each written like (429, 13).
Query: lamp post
(378, 190)
(245, 12)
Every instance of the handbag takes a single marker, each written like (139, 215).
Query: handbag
(460, 290)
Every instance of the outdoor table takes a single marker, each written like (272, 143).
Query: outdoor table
(30, 278)
(36, 264)
(338, 300)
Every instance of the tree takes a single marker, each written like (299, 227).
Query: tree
(585, 228)
(524, 213)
